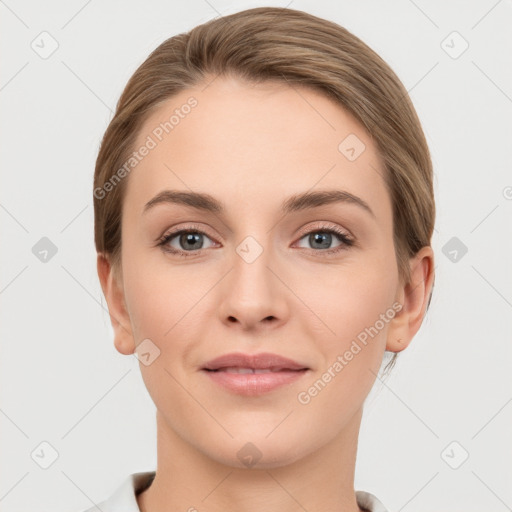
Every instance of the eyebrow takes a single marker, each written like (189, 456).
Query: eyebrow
(297, 202)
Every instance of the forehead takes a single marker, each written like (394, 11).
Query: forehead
(239, 140)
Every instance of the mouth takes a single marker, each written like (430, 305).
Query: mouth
(254, 370)
(238, 362)
(249, 374)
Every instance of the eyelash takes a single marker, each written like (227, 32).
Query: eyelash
(345, 240)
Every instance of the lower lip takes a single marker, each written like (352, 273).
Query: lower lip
(254, 383)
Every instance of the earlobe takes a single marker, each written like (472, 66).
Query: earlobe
(119, 317)
(414, 298)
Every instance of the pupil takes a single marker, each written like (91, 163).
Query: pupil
(325, 238)
(192, 238)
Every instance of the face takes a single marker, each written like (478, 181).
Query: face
(259, 270)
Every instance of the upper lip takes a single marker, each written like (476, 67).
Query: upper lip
(256, 361)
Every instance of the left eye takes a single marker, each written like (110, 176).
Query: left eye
(323, 238)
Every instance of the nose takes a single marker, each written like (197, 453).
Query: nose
(252, 295)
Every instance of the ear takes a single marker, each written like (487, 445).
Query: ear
(114, 295)
(414, 298)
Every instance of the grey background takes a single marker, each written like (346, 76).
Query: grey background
(63, 382)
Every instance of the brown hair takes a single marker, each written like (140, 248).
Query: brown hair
(279, 44)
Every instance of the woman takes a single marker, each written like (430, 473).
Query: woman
(289, 156)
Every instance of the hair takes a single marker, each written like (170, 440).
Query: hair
(297, 48)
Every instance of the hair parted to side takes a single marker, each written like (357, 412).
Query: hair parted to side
(294, 47)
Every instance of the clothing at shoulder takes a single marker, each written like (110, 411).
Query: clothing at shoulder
(124, 498)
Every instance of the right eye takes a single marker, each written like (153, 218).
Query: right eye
(184, 242)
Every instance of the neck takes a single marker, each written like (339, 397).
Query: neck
(187, 479)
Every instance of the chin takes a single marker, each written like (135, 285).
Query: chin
(258, 452)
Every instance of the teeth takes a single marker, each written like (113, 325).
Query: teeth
(246, 370)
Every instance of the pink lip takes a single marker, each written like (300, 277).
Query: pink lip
(261, 361)
(283, 371)
(251, 384)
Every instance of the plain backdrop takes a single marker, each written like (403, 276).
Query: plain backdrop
(435, 435)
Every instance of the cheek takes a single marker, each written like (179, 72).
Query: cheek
(158, 305)
(345, 300)
(355, 311)
(151, 310)
(164, 308)
(157, 298)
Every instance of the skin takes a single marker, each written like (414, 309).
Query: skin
(251, 147)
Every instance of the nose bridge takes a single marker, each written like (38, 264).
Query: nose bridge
(251, 272)
(252, 293)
